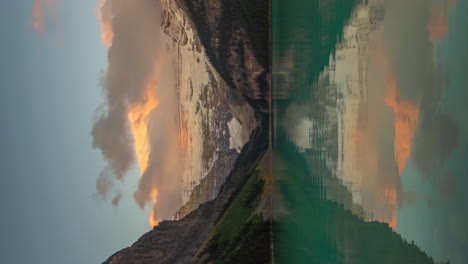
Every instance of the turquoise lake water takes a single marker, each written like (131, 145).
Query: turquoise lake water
(370, 131)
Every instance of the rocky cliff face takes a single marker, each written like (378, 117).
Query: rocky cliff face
(171, 241)
(236, 37)
(215, 120)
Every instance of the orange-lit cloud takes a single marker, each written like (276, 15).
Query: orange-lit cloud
(406, 119)
(410, 31)
(380, 146)
(438, 21)
(130, 69)
(38, 13)
(38, 20)
(150, 142)
(153, 220)
(404, 104)
(391, 197)
(140, 123)
(105, 19)
(375, 168)
(138, 116)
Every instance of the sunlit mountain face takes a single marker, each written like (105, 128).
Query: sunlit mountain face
(369, 132)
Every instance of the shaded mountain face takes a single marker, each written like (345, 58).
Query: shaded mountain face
(236, 37)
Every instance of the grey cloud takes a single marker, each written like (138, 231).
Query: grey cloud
(410, 197)
(116, 199)
(135, 52)
(408, 46)
(436, 138)
(131, 58)
(164, 169)
(409, 49)
(103, 183)
(405, 41)
(134, 49)
(111, 135)
(447, 186)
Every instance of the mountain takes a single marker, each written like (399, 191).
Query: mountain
(223, 103)
(196, 237)
(215, 119)
(236, 36)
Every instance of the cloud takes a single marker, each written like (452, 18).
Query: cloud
(437, 138)
(377, 168)
(164, 168)
(401, 118)
(408, 45)
(410, 197)
(104, 183)
(447, 186)
(438, 21)
(140, 123)
(105, 19)
(38, 19)
(130, 65)
(116, 199)
(111, 135)
(406, 114)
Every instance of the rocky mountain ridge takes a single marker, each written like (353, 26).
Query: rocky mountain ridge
(185, 240)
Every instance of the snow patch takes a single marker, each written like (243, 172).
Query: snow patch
(302, 134)
(235, 132)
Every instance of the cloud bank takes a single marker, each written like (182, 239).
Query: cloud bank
(401, 119)
(409, 30)
(140, 122)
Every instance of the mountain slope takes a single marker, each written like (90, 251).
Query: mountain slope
(181, 241)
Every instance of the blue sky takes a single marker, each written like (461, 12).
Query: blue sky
(50, 91)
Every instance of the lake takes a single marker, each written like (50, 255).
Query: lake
(370, 131)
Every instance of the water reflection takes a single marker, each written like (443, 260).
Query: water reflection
(368, 135)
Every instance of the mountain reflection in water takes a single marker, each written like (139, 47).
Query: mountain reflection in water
(368, 141)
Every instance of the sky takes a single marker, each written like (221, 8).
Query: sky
(51, 82)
